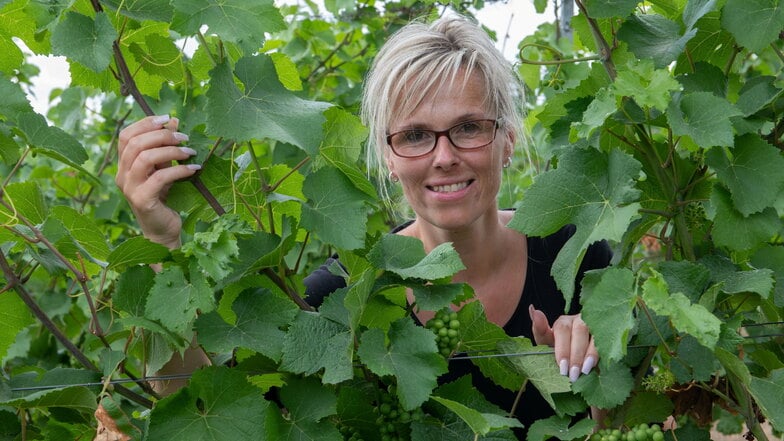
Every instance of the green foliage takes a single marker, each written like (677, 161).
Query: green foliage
(660, 121)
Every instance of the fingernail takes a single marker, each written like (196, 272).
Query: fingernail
(180, 136)
(193, 166)
(160, 120)
(564, 366)
(588, 364)
(188, 150)
(574, 373)
(531, 311)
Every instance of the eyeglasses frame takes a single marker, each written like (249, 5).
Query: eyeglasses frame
(439, 133)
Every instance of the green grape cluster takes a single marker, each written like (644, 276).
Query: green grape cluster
(393, 420)
(641, 432)
(446, 327)
(350, 434)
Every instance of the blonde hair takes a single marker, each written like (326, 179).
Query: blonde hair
(420, 59)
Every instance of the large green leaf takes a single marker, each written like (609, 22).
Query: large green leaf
(313, 343)
(608, 300)
(25, 199)
(737, 232)
(336, 210)
(85, 40)
(174, 300)
(240, 21)
(308, 404)
(753, 23)
(540, 370)
(15, 316)
(704, 117)
(260, 315)
(608, 388)
(648, 86)
(480, 423)
(219, 405)
(263, 108)
(134, 251)
(411, 357)
(685, 316)
(58, 387)
(405, 256)
(769, 394)
(610, 8)
(559, 427)
(142, 9)
(590, 189)
(655, 37)
(751, 171)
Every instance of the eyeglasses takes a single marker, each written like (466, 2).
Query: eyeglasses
(467, 135)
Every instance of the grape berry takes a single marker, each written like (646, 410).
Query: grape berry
(641, 432)
(446, 327)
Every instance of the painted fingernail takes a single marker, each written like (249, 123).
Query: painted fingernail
(193, 166)
(180, 136)
(160, 120)
(188, 150)
(588, 364)
(574, 373)
(564, 366)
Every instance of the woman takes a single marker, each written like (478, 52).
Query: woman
(442, 106)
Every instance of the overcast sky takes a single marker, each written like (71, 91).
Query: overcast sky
(517, 17)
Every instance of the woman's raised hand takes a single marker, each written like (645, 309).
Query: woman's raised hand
(147, 151)
(575, 351)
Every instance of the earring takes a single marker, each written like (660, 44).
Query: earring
(508, 162)
(393, 177)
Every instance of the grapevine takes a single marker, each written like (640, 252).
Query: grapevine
(446, 327)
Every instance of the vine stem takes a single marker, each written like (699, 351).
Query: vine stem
(604, 47)
(24, 295)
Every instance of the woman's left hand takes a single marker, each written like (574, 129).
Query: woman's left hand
(575, 351)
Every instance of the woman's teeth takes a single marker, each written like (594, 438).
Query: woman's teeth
(449, 188)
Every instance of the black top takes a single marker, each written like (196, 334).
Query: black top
(540, 290)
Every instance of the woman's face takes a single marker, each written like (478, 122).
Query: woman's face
(448, 188)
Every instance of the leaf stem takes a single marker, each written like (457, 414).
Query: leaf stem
(604, 48)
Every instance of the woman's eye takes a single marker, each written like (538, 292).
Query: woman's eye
(414, 136)
(469, 128)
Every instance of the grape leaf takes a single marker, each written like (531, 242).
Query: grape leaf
(240, 21)
(769, 394)
(751, 171)
(174, 300)
(343, 137)
(594, 191)
(479, 335)
(264, 109)
(26, 199)
(696, 9)
(737, 232)
(405, 256)
(648, 86)
(219, 405)
(134, 251)
(14, 316)
(58, 387)
(687, 317)
(411, 356)
(645, 407)
(133, 287)
(753, 23)
(480, 423)
(772, 257)
(216, 249)
(541, 371)
(559, 427)
(85, 40)
(313, 343)
(308, 403)
(12, 56)
(608, 299)
(159, 56)
(610, 8)
(704, 117)
(84, 234)
(142, 9)
(756, 93)
(260, 315)
(336, 210)
(655, 37)
(606, 389)
(53, 142)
